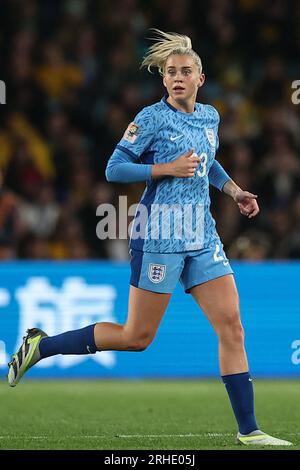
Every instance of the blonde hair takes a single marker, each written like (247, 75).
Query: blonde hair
(168, 44)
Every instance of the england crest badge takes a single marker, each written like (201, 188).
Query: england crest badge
(157, 272)
(211, 137)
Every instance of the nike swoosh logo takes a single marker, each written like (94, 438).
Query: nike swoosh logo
(225, 263)
(175, 137)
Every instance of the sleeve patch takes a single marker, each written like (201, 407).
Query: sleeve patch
(131, 133)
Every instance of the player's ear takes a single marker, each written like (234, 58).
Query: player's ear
(164, 81)
(201, 80)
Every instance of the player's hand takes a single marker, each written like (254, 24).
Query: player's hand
(247, 203)
(185, 165)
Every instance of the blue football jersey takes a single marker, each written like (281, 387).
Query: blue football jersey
(174, 213)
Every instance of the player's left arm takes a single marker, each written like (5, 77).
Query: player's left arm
(220, 179)
(245, 200)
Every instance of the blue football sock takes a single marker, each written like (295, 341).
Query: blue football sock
(240, 390)
(72, 342)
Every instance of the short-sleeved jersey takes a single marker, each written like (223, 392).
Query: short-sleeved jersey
(174, 213)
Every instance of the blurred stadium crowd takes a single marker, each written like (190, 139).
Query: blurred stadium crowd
(71, 69)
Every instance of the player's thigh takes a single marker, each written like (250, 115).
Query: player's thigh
(219, 300)
(145, 311)
(155, 272)
(204, 265)
(153, 278)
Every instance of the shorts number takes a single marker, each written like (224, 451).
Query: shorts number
(217, 256)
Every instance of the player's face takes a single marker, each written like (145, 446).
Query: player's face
(182, 78)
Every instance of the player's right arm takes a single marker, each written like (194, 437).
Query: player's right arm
(124, 165)
(183, 167)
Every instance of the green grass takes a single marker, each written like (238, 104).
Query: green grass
(138, 414)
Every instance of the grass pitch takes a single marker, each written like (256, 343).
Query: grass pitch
(156, 414)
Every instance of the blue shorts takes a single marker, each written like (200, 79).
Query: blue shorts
(160, 272)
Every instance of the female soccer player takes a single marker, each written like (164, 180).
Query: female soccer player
(171, 145)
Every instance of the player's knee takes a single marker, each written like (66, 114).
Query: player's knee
(139, 343)
(231, 329)
(138, 346)
(238, 333)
